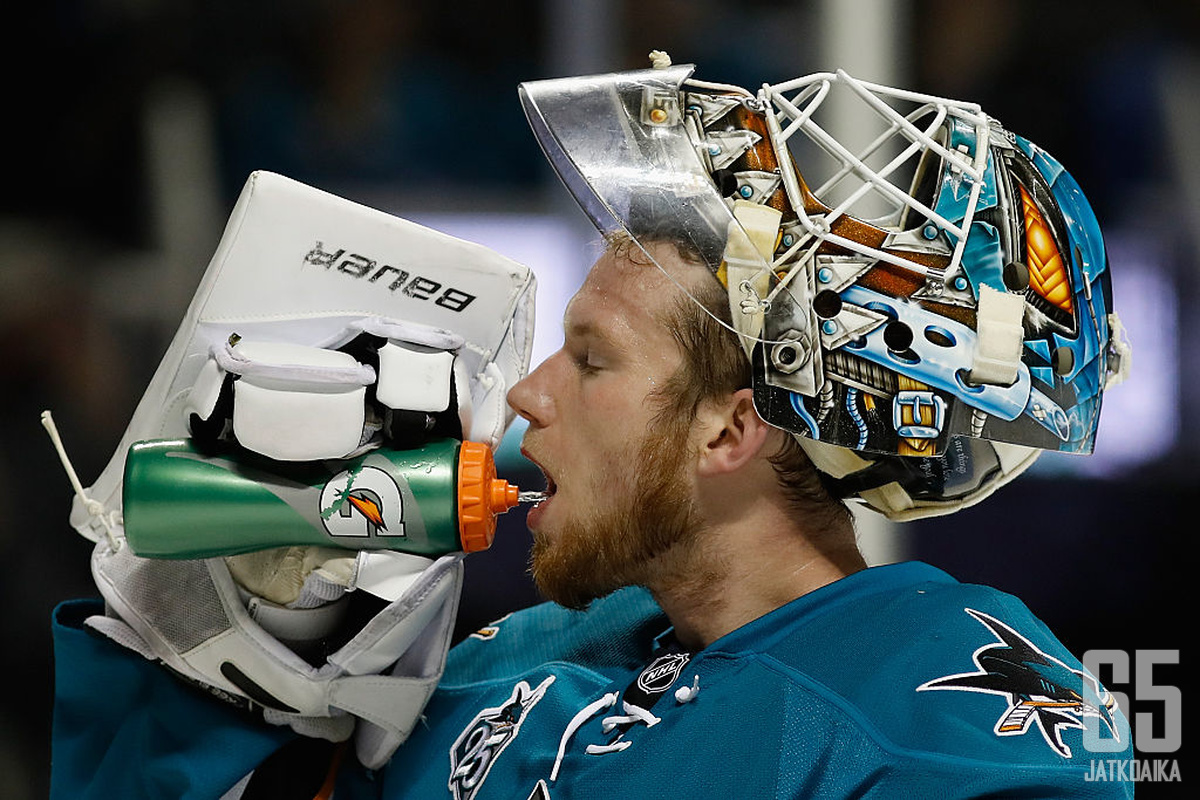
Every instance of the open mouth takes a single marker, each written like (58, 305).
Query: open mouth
(551, 487)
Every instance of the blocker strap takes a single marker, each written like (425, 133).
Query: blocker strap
(282, 362)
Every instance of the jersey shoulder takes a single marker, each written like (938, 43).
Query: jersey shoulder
(615, 633)
(950, 670)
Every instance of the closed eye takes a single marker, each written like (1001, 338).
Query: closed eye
(589, 348)
(587, 363)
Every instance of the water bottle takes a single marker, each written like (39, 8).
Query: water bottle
(179, 502)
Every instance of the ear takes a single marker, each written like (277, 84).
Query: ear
(733, 433)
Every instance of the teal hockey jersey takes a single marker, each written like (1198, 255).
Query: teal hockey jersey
(895, 681)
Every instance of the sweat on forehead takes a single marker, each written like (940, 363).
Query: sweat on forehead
(619, 291)
(674, 260)
(629, 306)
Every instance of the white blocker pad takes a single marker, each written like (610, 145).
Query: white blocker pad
(414, 377)
(300, 266)
(283, 413)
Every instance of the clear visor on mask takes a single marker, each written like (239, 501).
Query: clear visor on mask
(621, 145)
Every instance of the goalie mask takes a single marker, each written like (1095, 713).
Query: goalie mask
(926, 312)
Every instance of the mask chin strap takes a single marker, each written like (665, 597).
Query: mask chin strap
(885, 482)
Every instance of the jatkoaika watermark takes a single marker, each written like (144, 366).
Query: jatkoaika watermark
(1159, 731)
(1133, 769)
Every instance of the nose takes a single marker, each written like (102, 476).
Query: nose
(531, 399)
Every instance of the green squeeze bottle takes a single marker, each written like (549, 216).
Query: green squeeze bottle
(179, 502)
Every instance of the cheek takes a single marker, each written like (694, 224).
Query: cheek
(603, 455)
(623, 401)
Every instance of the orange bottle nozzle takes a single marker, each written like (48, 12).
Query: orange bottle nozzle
(504, 495)
(481, 496)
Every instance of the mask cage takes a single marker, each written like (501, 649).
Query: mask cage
(890, 182)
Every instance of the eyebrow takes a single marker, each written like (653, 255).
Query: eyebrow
(588, 329)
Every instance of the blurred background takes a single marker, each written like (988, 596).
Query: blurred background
(132, 125)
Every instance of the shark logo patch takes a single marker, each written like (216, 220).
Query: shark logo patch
(479, 745)
(1038, 687)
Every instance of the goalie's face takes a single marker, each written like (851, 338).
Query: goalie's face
(617, 472)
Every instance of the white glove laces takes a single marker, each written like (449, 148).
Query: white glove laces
(109, 519)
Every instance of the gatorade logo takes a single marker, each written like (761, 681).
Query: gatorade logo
(361, 503)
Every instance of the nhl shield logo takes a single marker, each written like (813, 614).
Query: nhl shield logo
(662, 672)
(485, 738)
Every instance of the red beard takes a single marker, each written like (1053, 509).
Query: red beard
(589, 558)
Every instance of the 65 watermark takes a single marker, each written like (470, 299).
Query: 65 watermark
(1155, 734)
